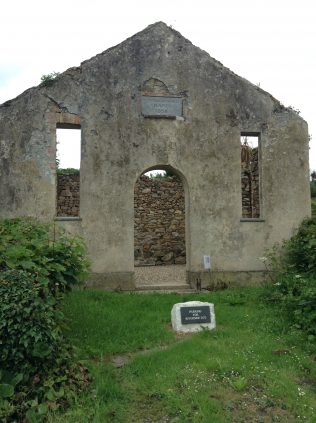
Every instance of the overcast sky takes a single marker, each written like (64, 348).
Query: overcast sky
(271, 43)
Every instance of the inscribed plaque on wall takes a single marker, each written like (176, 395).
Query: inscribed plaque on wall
(161, 106)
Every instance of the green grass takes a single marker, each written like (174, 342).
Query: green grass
(110, 323)
(251, 368)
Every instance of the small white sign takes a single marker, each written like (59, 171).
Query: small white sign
(207, 262)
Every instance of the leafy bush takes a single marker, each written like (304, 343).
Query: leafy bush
(8, 382)
(294, 286)
(300, 250)
(36, 266)
(36, 369)
(29, 323)
(55, 259)
(49, 79)
(31, 343)
(295, 295)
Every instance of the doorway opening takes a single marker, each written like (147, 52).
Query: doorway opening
(159, 228)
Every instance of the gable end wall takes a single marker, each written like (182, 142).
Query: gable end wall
(119, 144)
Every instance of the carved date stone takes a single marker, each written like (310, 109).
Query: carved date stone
(157, 106)
(192, 316)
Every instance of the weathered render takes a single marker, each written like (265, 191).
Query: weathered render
(119, 143)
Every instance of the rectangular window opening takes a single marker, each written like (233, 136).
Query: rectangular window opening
(68, 156)
(250, 175)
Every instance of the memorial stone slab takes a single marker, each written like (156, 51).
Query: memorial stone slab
(192, 316)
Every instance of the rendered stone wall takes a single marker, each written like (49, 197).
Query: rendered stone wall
(159, 217)
(68, 195)
(104, 96)
(159, 221)
(155, 202)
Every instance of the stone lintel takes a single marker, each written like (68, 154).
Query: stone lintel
(67, 120)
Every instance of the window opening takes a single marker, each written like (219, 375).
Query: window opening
(68, 154)
(250, 178)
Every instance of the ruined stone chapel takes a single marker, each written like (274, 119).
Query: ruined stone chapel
(156, 101)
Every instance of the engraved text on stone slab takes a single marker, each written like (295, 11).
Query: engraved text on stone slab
(161, 106)
(199, 314)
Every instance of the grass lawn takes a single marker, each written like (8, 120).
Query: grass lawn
(251, 368)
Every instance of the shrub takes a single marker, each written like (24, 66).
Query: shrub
(37, 372)
(300, 250)
(296, 255)
(31, 343)
(49, 79)
(295, 295)
(37, 265)
(55, 259)
(294, 285)
(29, 323)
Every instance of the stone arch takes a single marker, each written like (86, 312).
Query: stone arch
(161, 217)
(154, 86)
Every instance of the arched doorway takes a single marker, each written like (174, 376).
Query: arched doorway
(160, 235)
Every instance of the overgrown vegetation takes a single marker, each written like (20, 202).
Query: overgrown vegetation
(30, 332)
(68, 171)
(55, 259)
(294, 286)
(300, 250)
(49, 79)
(37, 265)
(255, 367)
(37, 371)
